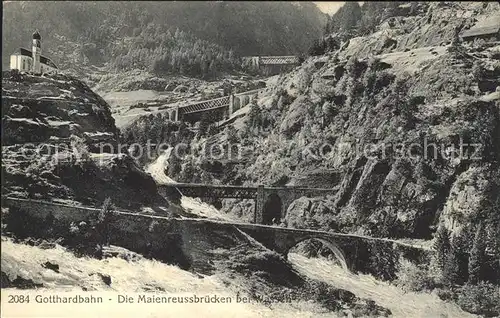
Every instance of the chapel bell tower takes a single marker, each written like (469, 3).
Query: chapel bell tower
(37, 51)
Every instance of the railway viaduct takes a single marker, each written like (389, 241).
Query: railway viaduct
(271, 203)
(195, 238)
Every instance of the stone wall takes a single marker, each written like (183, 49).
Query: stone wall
(186, 243)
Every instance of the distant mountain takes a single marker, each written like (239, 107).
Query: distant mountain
(177, 37)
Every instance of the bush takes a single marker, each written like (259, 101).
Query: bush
(15, 75)
(318, 47)
(455, 267)
(384, 79)
(412, 277)
(382, 262)
(355, 67)
(265, 260)
(231, 134)
(90, 236)
(80, 149)
(482, 299)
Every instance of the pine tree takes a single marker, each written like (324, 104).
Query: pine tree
(442, 246)
(254, 116)
(453, 272)
(477, 256)
(450, 268)
(212, 70)
(204, 124)
(102, 229)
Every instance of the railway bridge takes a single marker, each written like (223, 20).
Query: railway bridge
(219, 108)
(271, 203)
(271, 65)
(193, 240)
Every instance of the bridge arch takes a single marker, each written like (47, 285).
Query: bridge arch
(272, 209)
(336, 251)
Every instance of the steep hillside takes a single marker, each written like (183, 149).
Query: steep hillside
(60, 142)
(404, 126)
(36, 108)
(192, 38)
(386, 130)
(403, 26)
(354, 117)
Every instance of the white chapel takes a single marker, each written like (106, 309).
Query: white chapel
(32, 61)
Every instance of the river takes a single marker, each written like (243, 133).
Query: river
(402, 304)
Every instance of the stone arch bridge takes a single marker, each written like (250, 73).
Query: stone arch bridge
(220, 108)
(271, 203)
(196, 238)
(354, 253)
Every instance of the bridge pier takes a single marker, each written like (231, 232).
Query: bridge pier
(231, 105)
(259, 205)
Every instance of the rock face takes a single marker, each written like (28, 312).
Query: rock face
(36, 108)
(311, 212)
(437, 25)
(294, 118)
(60, 142)
(469, 198)
(412, 136)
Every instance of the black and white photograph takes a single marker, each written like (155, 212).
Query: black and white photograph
(250, 159)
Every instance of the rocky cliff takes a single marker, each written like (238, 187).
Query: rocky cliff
(410, 137)
(54, 128)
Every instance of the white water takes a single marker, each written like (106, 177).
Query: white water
(157, 168)
(193, 205)
(127, 278)
(400, 303)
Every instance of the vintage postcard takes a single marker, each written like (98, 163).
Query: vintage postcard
(250, 159)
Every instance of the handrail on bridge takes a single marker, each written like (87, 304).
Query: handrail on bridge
(248, 92)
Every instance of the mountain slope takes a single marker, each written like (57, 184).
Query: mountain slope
(137, 33)
(349, 113)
